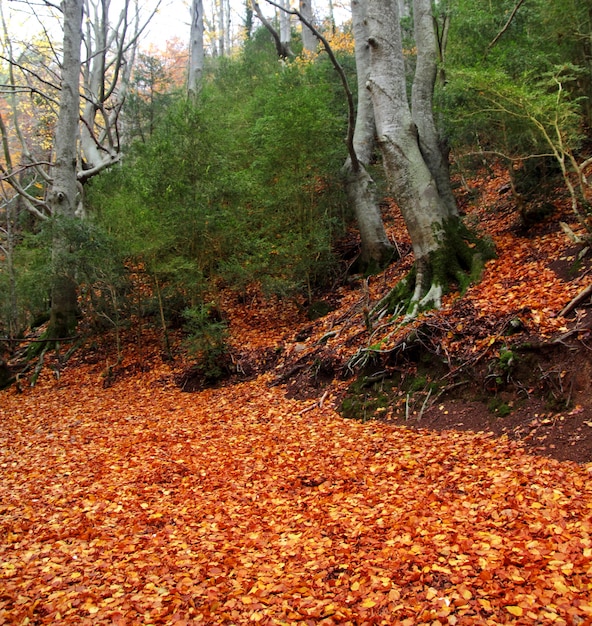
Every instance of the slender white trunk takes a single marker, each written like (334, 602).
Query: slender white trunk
(227, 27)
(64, 188)
(221, 25)
(196, 48)
(285, 32)
(62, 196)
(309, 41)
(422, 96)
(361, 189)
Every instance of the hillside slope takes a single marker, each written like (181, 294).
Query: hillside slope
(126, 500)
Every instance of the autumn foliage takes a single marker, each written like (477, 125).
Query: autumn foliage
(140, 504)
(134, 503)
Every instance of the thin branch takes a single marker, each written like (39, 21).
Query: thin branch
(502, 155)
(351, 118)
(505, 28)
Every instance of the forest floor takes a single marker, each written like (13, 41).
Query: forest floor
(461, 493)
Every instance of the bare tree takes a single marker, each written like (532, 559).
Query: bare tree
(64, 188)
(109, 55)
(86, 92)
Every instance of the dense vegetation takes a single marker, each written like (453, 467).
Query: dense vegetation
(243, 186)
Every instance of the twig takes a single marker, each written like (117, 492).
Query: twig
(423, 406)
(587, 291)
(314, 405)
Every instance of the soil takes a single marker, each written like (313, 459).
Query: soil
(544, 400)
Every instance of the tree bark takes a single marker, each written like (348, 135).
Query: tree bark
(422, 98)
(285, 26)
(406, 171)
(196, 49)
(440, 242)
(62, 196)
(309, 40)
(361, 189)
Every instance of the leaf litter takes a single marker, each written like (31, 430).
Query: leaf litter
(140, 504)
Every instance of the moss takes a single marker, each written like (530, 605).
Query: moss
(459, 261)
(372, 393)
(400, 295)
(318, 309)
(460, 257)
(499, 407)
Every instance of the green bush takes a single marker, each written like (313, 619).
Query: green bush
(206, 339)
(242, 186)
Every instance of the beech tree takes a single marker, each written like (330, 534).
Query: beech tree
(196, 48)
(442, 245)
(62, 196)
(85, 95)
(309, 40)
(361, 189)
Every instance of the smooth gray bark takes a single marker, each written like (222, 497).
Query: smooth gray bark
(407, 173)
(285, 28)
(196, 48)
(361, 189)
(422, 100)
(309, 40)
(62, 196)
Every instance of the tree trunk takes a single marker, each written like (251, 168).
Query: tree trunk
(377, 250)
(62, 196)
(285, 26)
(221, 27)
(440, 242)
(422, 96)
(309, 41)
(196, 49)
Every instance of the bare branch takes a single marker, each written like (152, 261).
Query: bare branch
(282, 51)
(351, 119)
(505, 28)
(27, 70)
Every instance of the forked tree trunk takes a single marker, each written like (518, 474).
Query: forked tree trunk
(361, 189)
(440, 242)
(62, 197)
